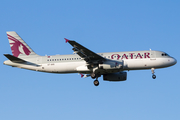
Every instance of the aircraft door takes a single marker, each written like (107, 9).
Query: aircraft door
(39, 60)
(153, 55)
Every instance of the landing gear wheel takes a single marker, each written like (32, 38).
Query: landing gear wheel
(96, 82)
(154, 76)
(93, 75)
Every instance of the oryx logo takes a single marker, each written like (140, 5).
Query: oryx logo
(17, 47)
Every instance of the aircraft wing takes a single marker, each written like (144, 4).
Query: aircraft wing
(86, 54)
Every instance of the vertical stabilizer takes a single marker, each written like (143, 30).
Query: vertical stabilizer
(18, 47)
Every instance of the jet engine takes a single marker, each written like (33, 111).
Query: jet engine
(120, 76)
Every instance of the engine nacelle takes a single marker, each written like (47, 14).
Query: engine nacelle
(111, 65)
(120, 76)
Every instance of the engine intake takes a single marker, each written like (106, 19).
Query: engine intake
(120, 76)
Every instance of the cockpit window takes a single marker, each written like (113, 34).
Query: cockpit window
(165, 54)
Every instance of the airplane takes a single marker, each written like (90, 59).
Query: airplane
(113, 66)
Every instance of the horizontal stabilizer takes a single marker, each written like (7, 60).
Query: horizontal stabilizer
(14, 59)
(18, 60)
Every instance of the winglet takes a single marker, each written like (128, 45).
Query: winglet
(66, 40)
(81, 75)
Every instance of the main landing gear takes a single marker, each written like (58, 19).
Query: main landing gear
(93, 76)
(96, 82)
(153, 76)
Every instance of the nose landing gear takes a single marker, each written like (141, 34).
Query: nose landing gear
(153, 76)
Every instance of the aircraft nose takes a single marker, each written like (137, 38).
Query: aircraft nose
(171, 61)
(174, 61)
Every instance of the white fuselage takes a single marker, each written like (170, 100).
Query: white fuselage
(134, 60)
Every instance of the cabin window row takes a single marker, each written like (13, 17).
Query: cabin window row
(63, 59)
